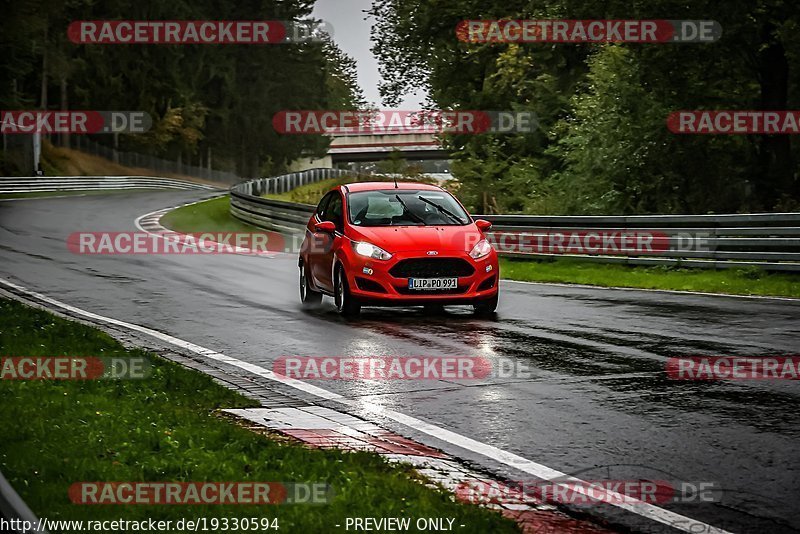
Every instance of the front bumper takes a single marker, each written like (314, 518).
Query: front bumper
(376, 282)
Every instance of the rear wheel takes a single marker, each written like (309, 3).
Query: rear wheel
(308, 296)
(346, 303)
(486, 307)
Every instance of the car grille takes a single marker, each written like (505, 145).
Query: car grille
(431, 268)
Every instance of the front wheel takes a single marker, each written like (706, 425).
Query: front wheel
(486, 307)
(308, 296)
(346, 303)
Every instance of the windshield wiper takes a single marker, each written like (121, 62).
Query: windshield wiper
(444, 210)
(406, 210)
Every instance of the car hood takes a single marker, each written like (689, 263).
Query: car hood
(420, 238)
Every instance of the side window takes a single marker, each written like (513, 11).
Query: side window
(333, 212)
(322, 205)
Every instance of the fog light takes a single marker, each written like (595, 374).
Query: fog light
(366, 270)
(488, 268)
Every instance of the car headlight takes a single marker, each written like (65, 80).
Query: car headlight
(482, 248)
(369, 250)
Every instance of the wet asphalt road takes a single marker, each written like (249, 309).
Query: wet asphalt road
(597, 403)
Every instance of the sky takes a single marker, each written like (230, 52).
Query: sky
(351, 27)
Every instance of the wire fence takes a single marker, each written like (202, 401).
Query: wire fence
(17, 154)
(146, 161)
(17, 158)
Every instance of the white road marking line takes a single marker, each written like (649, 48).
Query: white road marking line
(149, 223)
(165, 210)
(543, 472)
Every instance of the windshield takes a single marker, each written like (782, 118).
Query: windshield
(407, 207)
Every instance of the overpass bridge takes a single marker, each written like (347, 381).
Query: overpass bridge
(373, 147)
(377, 147)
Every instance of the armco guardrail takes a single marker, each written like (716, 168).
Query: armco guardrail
(22, 184)
(15, 512)
(247, 204)
(286, 182)
(766, 240)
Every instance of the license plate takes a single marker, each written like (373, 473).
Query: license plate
(432, 283)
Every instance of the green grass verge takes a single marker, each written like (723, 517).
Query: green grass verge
(164, 428)
(751, 281)
(309, 193)
(207, 216)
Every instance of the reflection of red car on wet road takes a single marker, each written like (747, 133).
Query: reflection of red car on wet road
(384, 244)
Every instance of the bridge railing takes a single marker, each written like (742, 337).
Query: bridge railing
(765, 240)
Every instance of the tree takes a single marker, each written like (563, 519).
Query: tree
(602, 108)
(203, 98)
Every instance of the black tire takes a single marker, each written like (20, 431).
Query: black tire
(346, 304)
(486, 307)
(308, 296)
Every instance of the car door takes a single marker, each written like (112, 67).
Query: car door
(323, 262)
(315, 241)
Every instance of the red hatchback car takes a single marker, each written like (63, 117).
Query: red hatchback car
(404, 244)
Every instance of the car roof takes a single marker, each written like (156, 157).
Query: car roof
(377, 186)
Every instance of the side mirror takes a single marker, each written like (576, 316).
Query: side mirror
(325, 226)
(482, 224)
